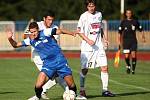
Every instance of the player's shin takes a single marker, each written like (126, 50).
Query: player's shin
(127, 60)
(133, 64)
(73, 88)
(38, 91)
(48, 85)
(104, 78)
(82, 80)
(62, 83)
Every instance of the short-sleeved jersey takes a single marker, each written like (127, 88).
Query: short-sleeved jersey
(42, 27)
(128, 29)
(90, 25)
(44, 45)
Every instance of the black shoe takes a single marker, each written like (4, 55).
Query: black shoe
(107, 94)
(133, 72)
(128, 70)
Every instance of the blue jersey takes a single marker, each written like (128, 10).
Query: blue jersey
(54, 61)
(44, 45)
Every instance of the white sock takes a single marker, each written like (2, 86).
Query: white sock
(48, 85)
(104, 78)
(62, 83)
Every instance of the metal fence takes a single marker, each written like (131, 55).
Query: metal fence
(69, 43)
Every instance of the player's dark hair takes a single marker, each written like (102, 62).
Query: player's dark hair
(126, 12)
(49, 13)
(33, 25)
(90, 1)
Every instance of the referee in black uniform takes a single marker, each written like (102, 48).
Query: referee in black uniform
(128, 41)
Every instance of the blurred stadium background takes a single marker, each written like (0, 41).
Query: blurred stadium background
(17, 76)
(16, 16)
(69, 43)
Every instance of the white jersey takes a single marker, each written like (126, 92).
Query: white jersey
(42, 27)
(91, 25)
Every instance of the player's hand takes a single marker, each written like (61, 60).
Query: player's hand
(91, 42)
(9, 33)
(143, 39)
(106, 43)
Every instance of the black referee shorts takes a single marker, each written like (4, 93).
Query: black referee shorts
(129, 45)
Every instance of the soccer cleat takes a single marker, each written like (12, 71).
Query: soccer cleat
(82, 93)
(80, 97)
(128, 69)
(34, 98)
(133, 72)
(107, 94)
(44, 96)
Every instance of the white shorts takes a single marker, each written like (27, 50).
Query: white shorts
(93, 59)
(37, 60)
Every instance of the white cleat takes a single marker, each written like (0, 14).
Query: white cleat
(44, 96)
(80, 97)
(34, 98)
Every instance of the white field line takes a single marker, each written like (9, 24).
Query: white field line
(119, 83)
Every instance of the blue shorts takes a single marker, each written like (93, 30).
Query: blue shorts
(56, 65)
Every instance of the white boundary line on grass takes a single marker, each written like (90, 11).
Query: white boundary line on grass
(122, 84)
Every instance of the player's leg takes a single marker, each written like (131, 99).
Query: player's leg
(65, 72)
(50, 83)
(70, 82)
(134, 56)
(83, 72)
(38, 86)
(40, 82)
(126, 51)
(102, 64)
(134, 59)
(127, 61)
(62, 83)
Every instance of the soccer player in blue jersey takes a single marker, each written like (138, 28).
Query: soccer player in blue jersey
(53, 59)
(46, 23)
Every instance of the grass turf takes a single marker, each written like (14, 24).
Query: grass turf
(18, 76)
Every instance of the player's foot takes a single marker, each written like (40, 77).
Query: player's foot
(128, 69)
(44, 96)
(133, 69)
(133, 72)
(34, 98)
(80, 97)
(108, 94)
(82, 93)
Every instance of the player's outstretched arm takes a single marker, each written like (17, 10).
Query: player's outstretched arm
(63, 31)
(12, 41)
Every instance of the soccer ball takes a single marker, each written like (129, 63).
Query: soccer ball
(69, 95)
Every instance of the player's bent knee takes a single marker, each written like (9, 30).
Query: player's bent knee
(84, 71)
(104, 69)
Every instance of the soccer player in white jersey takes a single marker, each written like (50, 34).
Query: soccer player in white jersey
(92, 47)
(50, 53)
(46, 23)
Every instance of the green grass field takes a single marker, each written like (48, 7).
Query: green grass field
(17, 78)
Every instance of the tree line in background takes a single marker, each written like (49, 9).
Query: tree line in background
(68, 9)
